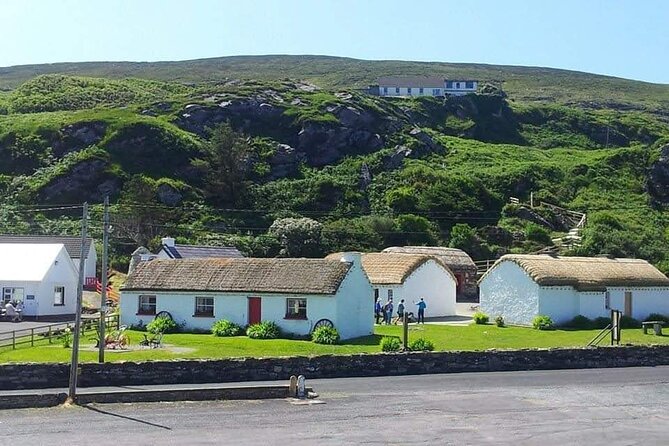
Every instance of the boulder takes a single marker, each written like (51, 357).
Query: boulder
(75, 137)
(87, 180)
(427, 144)
(396, 159)
(285, 162)
(169, 195)
(658, 177)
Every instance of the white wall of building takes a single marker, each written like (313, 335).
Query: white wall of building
(433, 283)
(415, 91)
(508, 291)
(560, 303)
(355, 302)
(459, 88)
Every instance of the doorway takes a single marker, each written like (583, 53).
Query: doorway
(255, 310)
(628, 303)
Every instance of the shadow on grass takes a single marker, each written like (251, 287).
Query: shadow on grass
(365, 340)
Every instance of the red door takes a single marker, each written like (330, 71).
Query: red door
(254, 310)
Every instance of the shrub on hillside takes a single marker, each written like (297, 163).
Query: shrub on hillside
(480, 318)
(162, 325)
(499, 321)
(264, 330)
(390, 344)
(542, 322)
(325, 335)
(225, 328)
(657, 317)
(421, 345)
(581, 322)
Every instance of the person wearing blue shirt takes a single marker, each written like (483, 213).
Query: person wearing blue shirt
(378, 310)
(421, 310)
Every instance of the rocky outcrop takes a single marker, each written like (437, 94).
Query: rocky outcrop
(427, 144)
(87, 180)
(285, 162)
(658, 177)
(78, 136)
(325, 143)
(169, 195)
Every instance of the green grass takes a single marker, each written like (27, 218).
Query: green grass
(445, 337)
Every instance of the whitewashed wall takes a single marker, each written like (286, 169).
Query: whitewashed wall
(560, 303)
(415, 91)
(507, 290)
(355, 303)
(436, 285)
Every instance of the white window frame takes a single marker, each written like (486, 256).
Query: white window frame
(295, 306)
(202, 303)
(140, 304)
(56, 291)
(9, 294)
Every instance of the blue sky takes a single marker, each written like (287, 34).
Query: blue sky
(625, 38)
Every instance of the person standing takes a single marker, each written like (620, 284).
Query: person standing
(421, 310)
(388, 311)
(400, 312)
(378, 310)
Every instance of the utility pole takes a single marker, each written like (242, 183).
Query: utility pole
(74, 366)
(103, 291)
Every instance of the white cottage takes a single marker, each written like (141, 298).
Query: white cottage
(520, 287)
(411, 86)
(297, 294)
(72, 246)
(41, 276)
(169, 249)
(410, 277)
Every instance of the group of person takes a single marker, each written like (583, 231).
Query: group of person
(384, 312)
(13, 311)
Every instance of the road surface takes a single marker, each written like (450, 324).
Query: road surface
(594, 407)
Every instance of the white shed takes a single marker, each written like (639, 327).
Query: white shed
(410, 277)
(520, 287)
(297, 294)
(41, 276)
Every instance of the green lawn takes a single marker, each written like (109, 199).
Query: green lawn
(445, 337)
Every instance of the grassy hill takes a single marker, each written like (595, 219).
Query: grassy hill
(521, 83)
(372, 172)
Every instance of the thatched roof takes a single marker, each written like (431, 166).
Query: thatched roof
(455, 259)
(392, 269)
(245, 275)
(586, 273)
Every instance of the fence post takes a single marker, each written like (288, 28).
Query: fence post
(32, 337)
(14, 340)
(49, 334)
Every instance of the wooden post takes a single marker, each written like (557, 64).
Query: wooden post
(14, 340)
(32, 337)
(103, 291)
(405, 330)
(74, 364)
(49, 334)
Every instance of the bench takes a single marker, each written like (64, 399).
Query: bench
(657, 327)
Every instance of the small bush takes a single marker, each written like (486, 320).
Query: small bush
(66, 338)
(162, 325)
(480, 318)
(225, 328)
(499, 321)
(581, 322)
(421, 345)
(264, 330)
(325, 335)
(601, 322)
(657, 317)
(629, 322)
(390, 344)
(542, 322)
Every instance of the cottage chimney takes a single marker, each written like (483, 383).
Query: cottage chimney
(352, 257)
(168, 241)
(140, 254)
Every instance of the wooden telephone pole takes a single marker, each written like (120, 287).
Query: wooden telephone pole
(103, 282)
(74, 365)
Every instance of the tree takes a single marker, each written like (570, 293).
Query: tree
(299, 237)
(229, 154)
(356, 234)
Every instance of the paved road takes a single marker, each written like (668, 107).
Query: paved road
(594, 407)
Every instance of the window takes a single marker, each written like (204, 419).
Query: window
(420, 90)
(59, 295)
(469, 84)
(390, 294)
(607, 300)
(409, 90)
(436, 91)
(449, 84)
(12, 295)
(296, 308)
(204, 306)
(397, 90)
(376, 294)
(457, 85)
(385, 90)
(147, 305)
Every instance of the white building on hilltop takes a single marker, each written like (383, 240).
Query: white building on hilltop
(520, 287)
(416, 86)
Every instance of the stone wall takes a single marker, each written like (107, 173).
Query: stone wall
(23, 376)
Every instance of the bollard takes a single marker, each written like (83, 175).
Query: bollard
(301, 387)
(292, 387)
